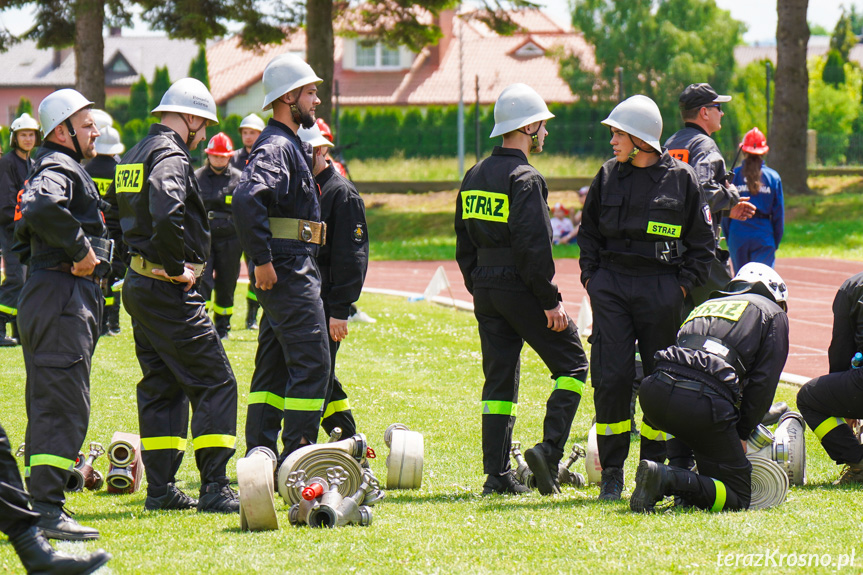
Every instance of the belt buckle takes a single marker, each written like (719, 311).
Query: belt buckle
(211, 215)
(667, 251)
(306, 232)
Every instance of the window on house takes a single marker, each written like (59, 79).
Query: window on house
(120, 67)
(371, 54)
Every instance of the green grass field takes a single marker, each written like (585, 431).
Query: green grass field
(420, 365)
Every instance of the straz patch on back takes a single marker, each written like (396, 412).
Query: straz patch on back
(481, 205)
(661, 229)
(103, 184)
(726, 309)
(129, 178)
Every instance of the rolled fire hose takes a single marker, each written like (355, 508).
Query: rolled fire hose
(769, 483)
(789, 447)
(314, 460)
(255, 482)
(592, 467)
(405, 461)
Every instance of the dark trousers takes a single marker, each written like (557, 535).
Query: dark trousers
(59, 320)
(14, 280)
(708, 425)
(292, 364)
(824, 402)
(627, 308)
(221, 273)
(183, 362)
(15, 514)
(508, 319)
(337, 410)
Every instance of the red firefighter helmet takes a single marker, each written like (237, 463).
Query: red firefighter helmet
(754, 142)
(220, 145)
(325, 129)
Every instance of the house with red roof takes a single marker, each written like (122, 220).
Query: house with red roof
(370, 73)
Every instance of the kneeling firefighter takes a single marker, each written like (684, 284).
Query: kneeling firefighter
(712, 388)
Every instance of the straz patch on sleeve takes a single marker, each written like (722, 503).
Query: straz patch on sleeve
(481, 205)
(661, 229)
(129, 178)
(103, 184)
(726, 309)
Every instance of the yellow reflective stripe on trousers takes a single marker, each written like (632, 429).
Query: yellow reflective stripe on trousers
(228, 441)
(8, 310)
(268, 398)
(719, 502)
(165, 442)
(648, 432)
(336, 406)
(251, 294)
(52, 460)
(613, 428)
(109, 300)
(499, 408)
(827, 426)
(569, 384)
(223, 310)
(303, 404)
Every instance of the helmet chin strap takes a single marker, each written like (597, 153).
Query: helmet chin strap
(192, 132)
(72, 134)
(534, 139)
(636, 149)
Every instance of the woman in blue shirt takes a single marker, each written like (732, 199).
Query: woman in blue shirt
(756, 239)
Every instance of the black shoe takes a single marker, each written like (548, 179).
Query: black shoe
(218, 498)
(649, 486)
(56, 523)
(503, 484)
(172, 499)
(37, 556)
(611, 487)
(7, 341)
(252, 315)
(544, 468)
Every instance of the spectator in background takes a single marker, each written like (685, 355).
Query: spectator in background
(756, 239)
(562, 228)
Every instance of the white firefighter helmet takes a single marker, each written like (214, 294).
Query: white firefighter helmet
(253, 122)
(102, 118)
(285, 73)
(756, 274)
(23, 122)
(517, 106)
(108, 143)
(58, 106)
(314, 137)
(638, 116)
(189, 96)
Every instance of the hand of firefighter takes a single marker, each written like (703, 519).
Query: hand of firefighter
(557, 318)
(683, 289)
(338, 329)
(743, 443)
(187, 277)
(265, 276)
(743, 210)
(86, 266)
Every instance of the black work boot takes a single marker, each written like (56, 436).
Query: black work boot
(5, 340)
(57, 524)
(172, 499)
(218, 497)
(223, 325)
(503, 484)
(252, 314)
(37, 556)
(612, 484)
(113, 315)
(851, 473)
(543, 462)
(653, 481)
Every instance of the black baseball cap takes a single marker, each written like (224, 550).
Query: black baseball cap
(698, 95)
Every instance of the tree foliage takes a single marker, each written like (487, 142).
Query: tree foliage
(834, 68)
(843, 38)
(139, 99)
(160, 85)
(198, 66)
(24, 106)
(834, 110)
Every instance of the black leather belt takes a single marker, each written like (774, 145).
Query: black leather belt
(663, 251)
(66, 268)
(669, 379)
(213, 215)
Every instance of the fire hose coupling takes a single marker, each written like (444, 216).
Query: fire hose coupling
(567, 477)
(522, 472)
(314, 460)
(786, 446)
(83, 475)
(127, 468)
(405, 461)
(336, 510)
(256, 485)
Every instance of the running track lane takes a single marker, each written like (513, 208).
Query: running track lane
(812, 284)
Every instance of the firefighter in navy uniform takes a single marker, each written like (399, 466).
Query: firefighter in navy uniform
(165, 225)
(60, 235)
(701, 110)
(14, 167)
(19, 522)
(645, 242)
(343, 262)
(503, 248)
(250, 129)
(101, 169)
(712, 388)
(217, 180)
(277, 214)
(826, 401)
